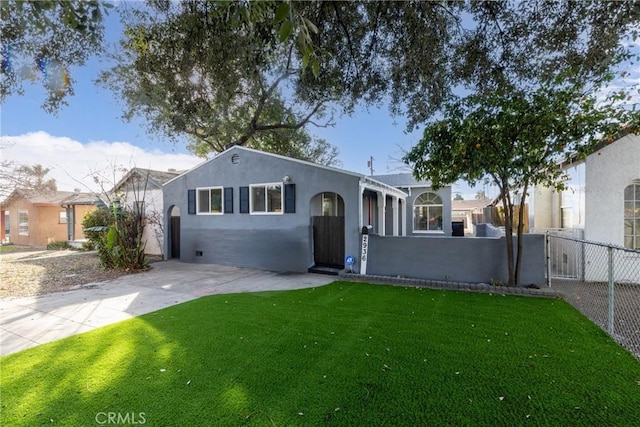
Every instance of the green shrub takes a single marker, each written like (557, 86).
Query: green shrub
(59, 245)
(88, 246)
(95, 219)
(117, 236)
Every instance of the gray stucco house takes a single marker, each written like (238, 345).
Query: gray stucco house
(250, 208)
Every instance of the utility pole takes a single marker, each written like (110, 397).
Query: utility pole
(370, 164)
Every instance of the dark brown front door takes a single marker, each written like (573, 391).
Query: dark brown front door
(175, 237)
(328, 241)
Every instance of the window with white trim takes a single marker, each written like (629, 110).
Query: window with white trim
(632, 216)
(23, 223)
(62, 217)
(209, 201)
(266, 198)
(427, 212)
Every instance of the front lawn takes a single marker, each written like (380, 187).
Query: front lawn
(342, 354)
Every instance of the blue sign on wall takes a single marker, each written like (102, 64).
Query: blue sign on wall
(350, 260)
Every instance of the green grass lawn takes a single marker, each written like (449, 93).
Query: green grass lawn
(343, 354)
(10, 248)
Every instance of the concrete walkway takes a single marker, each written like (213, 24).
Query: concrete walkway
(30, 321)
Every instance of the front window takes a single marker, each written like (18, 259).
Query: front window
(62, 217)
(7, 223)
(266, 198)
(209, 201)
(427, 212)
(23, 223)
(632, 216)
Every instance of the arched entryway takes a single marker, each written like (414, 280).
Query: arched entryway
(174, 232)
(327, 221)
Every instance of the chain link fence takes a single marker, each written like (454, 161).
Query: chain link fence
(600, 280)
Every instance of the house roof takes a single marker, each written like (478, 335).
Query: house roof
(366, 180)
(156, 178)
(405, 180)
(460, 205)
(575, 159)
(57, 198)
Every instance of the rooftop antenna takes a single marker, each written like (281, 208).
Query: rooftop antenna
(370, 164)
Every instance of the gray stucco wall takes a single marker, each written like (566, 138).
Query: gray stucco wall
(278, 242)
(458, 259)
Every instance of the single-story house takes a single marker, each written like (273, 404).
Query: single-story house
(37, 219)
(250, 208)
(141, 189)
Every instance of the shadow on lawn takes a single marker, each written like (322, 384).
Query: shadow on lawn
(172, 371)
(349, 354)
(69, 382)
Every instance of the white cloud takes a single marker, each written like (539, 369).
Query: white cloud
(73, 164)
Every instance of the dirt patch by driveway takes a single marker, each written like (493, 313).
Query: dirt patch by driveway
(35, 272)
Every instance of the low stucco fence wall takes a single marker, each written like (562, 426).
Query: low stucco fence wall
(456, 259)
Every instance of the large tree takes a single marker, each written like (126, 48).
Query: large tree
(32, 179)
(518, 139)
(42, 40)
(192, 69)
(232, 72)
(417, 56)
(536, 73)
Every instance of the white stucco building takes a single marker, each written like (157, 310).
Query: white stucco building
(142, 189)
(612, 203)
(601, 205)
(603, 198)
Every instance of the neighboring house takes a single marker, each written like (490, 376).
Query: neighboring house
(471, 213)
(605, 209)
(142, 189)
(255, 209)
(612, 202)
(35, 219)
(608, 205)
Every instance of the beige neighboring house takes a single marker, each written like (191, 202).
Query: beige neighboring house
(142, 189)
(37, 219)
(471, 213)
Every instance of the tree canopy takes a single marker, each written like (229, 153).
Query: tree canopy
(238, 72)
(42, 40)
(23, 177)
(197, 69)
(518, 139)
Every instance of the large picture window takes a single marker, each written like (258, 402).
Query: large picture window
(23, 223)
(266, 198)
(427, 213)
(209, 201)
(632, 216)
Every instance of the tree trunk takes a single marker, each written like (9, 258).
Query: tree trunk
(520, 232)
(508, 231)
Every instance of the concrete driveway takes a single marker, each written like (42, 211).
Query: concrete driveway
(29, 321)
